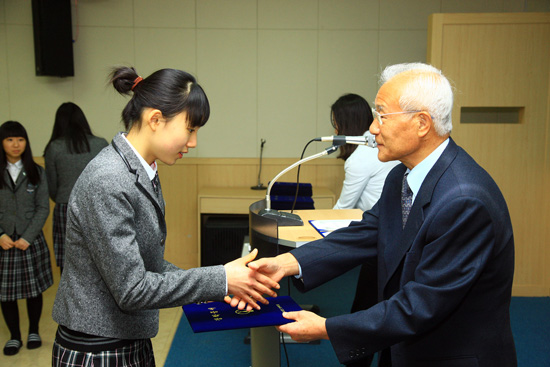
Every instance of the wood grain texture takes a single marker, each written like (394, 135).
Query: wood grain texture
(503, 60)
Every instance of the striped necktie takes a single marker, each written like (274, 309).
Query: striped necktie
(406, 200)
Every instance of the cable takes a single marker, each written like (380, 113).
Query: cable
(292, 210)
(281, 335)
(298, 177)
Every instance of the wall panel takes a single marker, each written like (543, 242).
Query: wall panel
(503, 61)
(181, 184)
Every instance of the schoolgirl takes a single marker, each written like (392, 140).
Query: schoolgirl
(71, 147)
(25, 269)
(115, 277)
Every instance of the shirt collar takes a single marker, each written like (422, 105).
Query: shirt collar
(14, 169)
(150, 169)
(420, 171)
(18, 165)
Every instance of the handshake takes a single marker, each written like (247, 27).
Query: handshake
(248, 281)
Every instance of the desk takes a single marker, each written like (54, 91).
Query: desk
(237, 200)
(265, 350)
(296, 236)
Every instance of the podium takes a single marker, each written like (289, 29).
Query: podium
(271, 240)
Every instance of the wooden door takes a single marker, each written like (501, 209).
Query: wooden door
(500, 66)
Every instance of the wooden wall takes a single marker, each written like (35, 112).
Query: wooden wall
(494, 60)
(503, 61)
(181, 184)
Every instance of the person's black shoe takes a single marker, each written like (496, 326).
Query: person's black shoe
(12, 347)
(34, 341)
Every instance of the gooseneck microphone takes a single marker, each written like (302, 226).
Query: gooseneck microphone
(290, 219)
(283, 218)
(368, 139)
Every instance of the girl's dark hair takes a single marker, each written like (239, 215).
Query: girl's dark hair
(10, 129)
(71, 125)
(168, 90)
(350, 115)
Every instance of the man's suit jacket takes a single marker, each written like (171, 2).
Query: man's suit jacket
(444, 280)
(25, 207)
(115, 277)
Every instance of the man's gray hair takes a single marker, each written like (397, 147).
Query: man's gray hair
(427, 90)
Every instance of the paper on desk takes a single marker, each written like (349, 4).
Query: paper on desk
(324, 227)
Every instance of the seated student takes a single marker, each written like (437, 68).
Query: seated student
(364, 172)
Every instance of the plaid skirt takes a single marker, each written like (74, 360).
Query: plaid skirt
(25, 274)
(59, 230)
(137, 354)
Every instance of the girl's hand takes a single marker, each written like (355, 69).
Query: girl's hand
(6, 243)
(22, 244)
(247, 285)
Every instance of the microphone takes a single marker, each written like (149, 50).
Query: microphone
(368, 139)
(284, 218)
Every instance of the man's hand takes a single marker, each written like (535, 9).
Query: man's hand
(270, 267)
(6, 242)
(248, 286)
(308, 326)
(274, 268)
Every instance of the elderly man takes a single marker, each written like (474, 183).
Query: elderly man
(441, 235)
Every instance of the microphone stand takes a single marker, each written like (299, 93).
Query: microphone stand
(283, 218)
(260, 186)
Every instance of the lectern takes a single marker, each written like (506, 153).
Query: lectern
(264, 341)
(270, 240)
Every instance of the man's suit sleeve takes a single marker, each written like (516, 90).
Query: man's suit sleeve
(337, 253)
(458, 243)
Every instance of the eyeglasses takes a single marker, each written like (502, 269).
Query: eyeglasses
(378, 116)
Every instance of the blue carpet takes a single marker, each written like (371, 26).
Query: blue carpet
(530, 325)
(531, 328)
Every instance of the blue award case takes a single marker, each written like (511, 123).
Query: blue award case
(215, 316)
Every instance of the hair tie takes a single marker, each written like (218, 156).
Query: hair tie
(136, 82)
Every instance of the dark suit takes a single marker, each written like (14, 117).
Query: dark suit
(444, 281)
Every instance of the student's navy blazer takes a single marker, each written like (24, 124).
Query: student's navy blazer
(444, 281)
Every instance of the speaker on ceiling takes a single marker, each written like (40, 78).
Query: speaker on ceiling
(53, 39)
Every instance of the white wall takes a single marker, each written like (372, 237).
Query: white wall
(271, 68)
